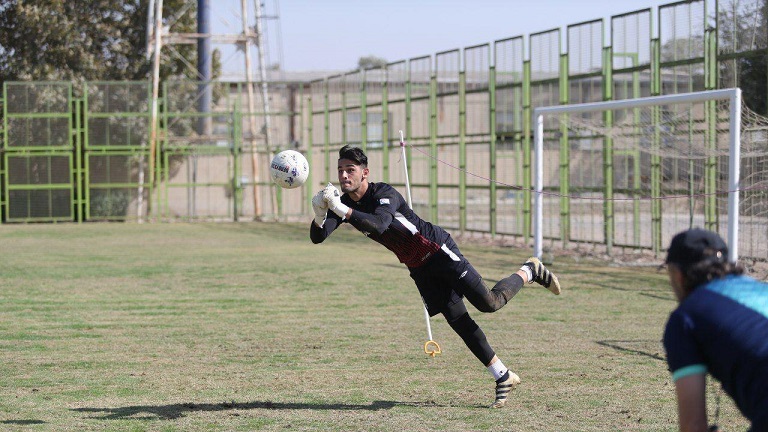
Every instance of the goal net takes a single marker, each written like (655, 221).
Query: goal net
(632, 173)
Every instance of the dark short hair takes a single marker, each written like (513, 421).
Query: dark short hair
(696, 245)
(702, 256)
(355, 154)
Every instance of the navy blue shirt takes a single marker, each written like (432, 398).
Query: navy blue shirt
(384, 216)
(722, 328)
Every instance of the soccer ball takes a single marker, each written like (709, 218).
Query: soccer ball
(289, 169)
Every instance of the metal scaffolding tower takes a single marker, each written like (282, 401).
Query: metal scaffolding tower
(162, 37)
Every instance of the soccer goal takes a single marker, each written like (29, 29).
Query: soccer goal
(632, 173)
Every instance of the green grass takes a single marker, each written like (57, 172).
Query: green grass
(242, 327)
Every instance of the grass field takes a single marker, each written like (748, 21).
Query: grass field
(242, 327)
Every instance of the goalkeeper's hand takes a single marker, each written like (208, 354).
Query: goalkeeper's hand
(328, 190)
(333, 198)
(320, 207)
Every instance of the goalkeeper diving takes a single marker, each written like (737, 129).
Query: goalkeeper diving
(442, 274)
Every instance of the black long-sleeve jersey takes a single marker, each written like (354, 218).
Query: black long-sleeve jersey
(384, 216)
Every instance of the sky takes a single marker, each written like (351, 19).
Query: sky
(331, 35)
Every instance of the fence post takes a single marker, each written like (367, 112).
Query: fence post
(527, 168)
(433, 148)
(463, 149)
(492, 146)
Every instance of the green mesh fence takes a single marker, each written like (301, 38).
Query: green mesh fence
(464, 112)
(116, 150)
(466, 116)
(39, 181)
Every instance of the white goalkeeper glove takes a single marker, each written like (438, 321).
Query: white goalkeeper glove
(320, 208)
(333, 198)
(328, 190)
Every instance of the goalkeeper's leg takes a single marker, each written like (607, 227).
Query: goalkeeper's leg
(469, 283)
(491, 300)
(475, 339)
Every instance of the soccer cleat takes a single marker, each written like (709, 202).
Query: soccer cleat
(543, 276)
(503, 388)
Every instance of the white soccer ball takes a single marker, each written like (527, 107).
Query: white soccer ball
(289, 169)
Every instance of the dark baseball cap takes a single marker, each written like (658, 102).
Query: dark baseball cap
(696, 245)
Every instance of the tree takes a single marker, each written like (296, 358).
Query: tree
(742, 29)
(682, 49)
(371, 62)
(66, 40)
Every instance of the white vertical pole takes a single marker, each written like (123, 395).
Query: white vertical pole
(153, 121)
(734, 173)
(405, 168)
(410, 204)
(251, 109)
(538, 202)
(140, 192)
(261, 45)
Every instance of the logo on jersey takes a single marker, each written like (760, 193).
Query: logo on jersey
(384, 201)
(463, 274)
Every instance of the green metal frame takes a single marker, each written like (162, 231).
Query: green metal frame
(437, 140)
(140, 152)
(416, 97)
(69, 150)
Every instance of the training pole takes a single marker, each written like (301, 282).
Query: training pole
(430, 346)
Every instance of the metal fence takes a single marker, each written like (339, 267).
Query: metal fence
(466, 117)
(82, 152)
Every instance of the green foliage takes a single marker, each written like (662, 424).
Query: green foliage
(69, 40)
(371, 62)
(742, 28)
(109, 203)
(754, 82)
(682, 49)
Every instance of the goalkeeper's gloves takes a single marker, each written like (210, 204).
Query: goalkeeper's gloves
(333, 198)
(320, 208)
(328, 190)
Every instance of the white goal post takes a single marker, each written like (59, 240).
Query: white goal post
(732, 95)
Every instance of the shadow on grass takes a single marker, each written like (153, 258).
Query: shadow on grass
(22, 422)
(666, 296)
(175, 411)
(627, 347)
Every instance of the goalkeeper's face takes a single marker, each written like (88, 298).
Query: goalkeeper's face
(352, 177)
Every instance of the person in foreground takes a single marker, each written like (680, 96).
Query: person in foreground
(720, 327)
(441, 273)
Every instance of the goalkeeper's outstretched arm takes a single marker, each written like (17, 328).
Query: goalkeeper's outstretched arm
(318, 234)
(373, 223)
